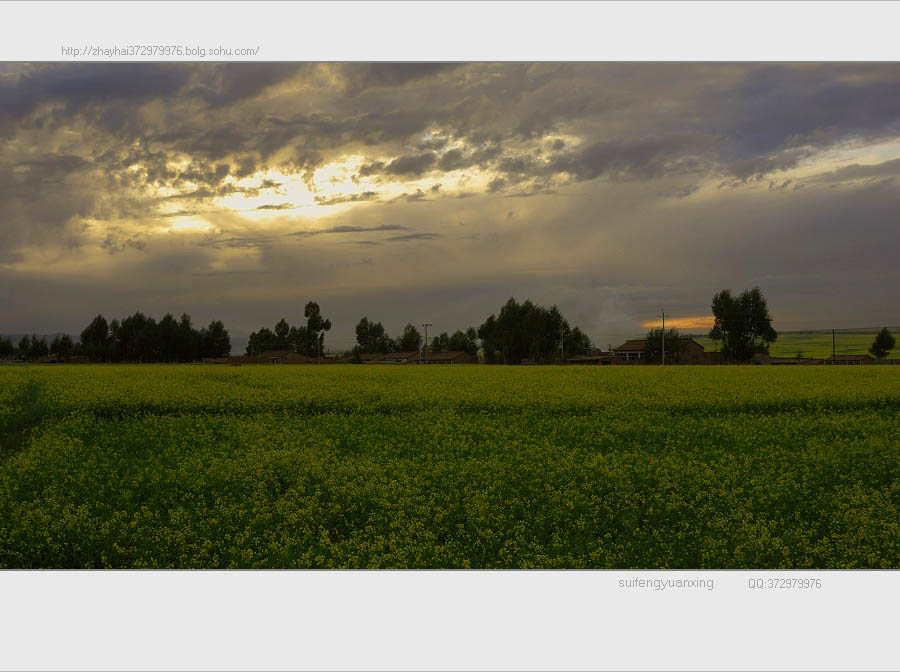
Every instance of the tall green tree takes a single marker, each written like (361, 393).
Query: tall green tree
(371, 337)
(316, 326)
(7, 349)
(261, 341)
(187, 340)
(464, 341)
(38, 347)
(745, 324)
(410, 340)
(95, 339)
(532, 332)
(440, 343)
(215, 341)
(282, 334)
(715, 334)
(24, 347)
(167, 334)
(62, 346)
(882, 345)
(653, 348)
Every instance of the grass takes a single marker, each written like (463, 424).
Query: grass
(449, 467)
(818, 344)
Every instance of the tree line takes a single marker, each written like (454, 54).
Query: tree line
(526, 331)
(32, 347)
(741, 323)
(308, 339)
(371, 337)
(743, 326)
(520, 332)
(136, 338)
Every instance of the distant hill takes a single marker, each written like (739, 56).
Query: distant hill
(817, 343)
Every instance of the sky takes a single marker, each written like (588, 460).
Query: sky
(415, 192)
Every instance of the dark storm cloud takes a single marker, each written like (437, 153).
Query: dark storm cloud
(116, 243)
(359, 77)
(351, 229)
(225, 83)
(277, 206)
(258, 241)
(412, 165)
(640, 159)
(347, 198)
(418, 195)
(371, 168)
(456, 159)
(416, 236)
(77, 86)
(776, 106)
(614, 167)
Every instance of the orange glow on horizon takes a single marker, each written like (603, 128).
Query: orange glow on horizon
(695, 322)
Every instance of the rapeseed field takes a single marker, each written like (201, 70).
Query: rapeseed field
(344, 466)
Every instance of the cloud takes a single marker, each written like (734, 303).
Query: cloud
(416, 236)
(350, 229)
(276, 206)
(614, 167)
(855, 172)
(412, 165)
(114, 243)
(347, 198)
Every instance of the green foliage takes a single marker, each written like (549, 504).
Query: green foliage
(528, 331)
(215, 341)
(884, 342)
(316, 326)
(744, 324)
(464, 341)
(263, 340)
(653, 348)
(371, 337)
(139, 338)
(7, 349)
(306, 339)
(37, 348)
(458, 466)
(410, 339)
(95, 339)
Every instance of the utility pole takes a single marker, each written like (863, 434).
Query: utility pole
(833, 358)
(562, 344)
(426, 325)
(663, 316)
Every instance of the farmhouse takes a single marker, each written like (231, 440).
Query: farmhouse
(595, 358)
(850, 359)
(451, 357)
(416, 357)
(632, 352)
(787, 361)
(410, 357)
(285, 357)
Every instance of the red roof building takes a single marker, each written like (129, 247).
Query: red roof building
(850, 359)
(632, 352)
(451, 357)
